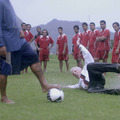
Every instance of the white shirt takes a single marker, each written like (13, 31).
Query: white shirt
(84, 78)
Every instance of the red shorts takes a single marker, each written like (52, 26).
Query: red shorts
(62, 57)
(101, 54)
(76, 56)
(92, 51)
(115, 57)
(43, 57)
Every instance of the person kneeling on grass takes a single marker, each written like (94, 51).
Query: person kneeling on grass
(91, 76)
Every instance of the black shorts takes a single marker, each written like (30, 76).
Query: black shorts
(5, 68)
(23, 58)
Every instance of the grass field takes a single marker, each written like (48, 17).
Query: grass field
(32, 104)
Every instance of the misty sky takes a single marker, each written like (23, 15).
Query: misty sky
(38, 12)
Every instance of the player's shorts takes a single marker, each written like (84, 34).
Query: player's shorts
(92, 51)
(76, 56)
(115, 58)
(101, 54)
(62, 57)
(43, 57)
(5, 68)
(23, 58)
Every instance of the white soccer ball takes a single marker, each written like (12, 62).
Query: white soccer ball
(55, 95)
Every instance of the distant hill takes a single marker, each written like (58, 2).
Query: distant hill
(52, 29)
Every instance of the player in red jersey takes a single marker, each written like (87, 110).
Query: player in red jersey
(75, 49)
(85, 35)
(28, 27)
(62, 49)
(116, 45)
(44, 49)
(103, 43)
(28, 35)
(92, 42)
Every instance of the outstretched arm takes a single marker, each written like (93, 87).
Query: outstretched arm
(86, 54)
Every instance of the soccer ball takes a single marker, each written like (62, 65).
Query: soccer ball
(55, 95)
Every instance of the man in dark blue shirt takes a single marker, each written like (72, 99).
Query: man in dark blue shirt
(22, 55)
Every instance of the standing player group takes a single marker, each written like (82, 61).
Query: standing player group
(97, 42)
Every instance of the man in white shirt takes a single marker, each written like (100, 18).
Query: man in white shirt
(90, 77)
(82, 74)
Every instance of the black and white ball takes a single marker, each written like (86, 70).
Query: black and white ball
(55, 95)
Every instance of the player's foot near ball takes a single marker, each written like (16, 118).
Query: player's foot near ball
(6, 100)
(49, 86)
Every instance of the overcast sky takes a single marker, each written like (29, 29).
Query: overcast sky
(38, 12)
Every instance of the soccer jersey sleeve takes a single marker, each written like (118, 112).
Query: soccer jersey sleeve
(119, 36)
(36, 40)
(97, 33)
(106, 33)
(51, 40)
(31, 35)
(65, 37)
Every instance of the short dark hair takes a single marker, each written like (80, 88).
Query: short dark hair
(38, 27)
(28, 24)
(84, 23)
(76, 26)
(92, 23)
(23, 24)
(60, 28)
(116, 24)
(46, 31)
(103, 21)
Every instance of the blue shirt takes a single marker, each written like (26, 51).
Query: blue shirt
(9, 30)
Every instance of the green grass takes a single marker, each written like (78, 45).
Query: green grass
(32, 104)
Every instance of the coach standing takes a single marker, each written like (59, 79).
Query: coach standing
(22, 54)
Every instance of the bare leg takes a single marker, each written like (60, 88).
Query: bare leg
(41, 65)
(67, 65)
(22, 71)
(3, 85)
(26, 70)
(104, 61)
(45, 65)
(96, 59)
(79, 62)
(36, 69)
(61, 65)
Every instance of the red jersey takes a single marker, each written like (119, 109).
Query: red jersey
(28, 36)
(116, 57)
(85, 38)
(44, 43)
(116, 40)
(61, 40)
(93, 35)
(105, 44)
(74, 42)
